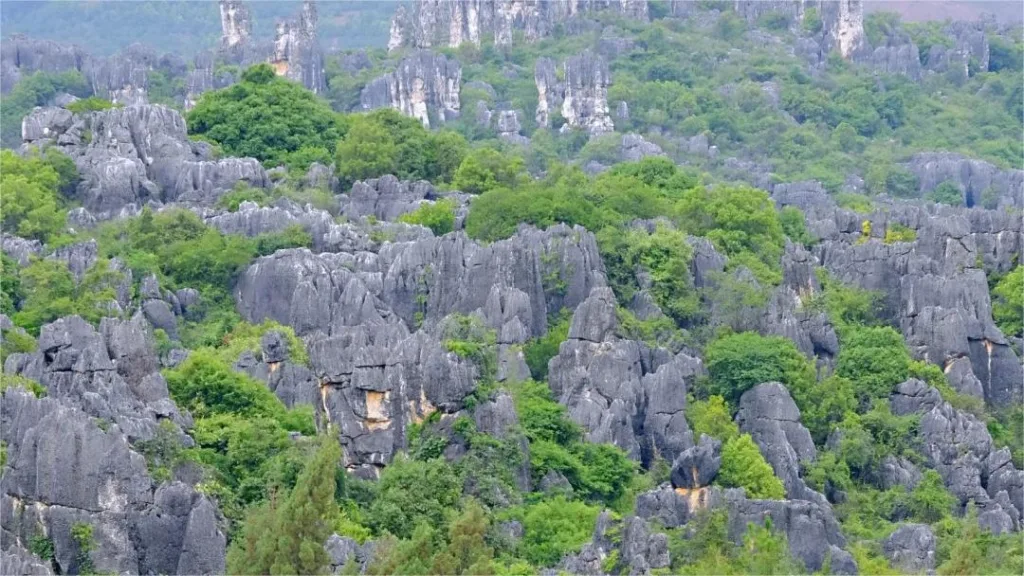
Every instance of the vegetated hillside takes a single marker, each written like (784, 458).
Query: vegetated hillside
(697, 288)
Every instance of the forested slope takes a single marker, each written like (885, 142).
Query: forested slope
(601, 288)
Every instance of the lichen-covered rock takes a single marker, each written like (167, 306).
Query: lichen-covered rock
(911, 548)
(425, 86)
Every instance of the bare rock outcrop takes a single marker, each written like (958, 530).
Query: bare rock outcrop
(130, 156)
(425, 86)
(622, 391)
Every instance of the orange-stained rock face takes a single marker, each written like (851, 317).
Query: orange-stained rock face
(697, 498)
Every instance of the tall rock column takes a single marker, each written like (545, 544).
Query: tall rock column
(296, 53)
(235, 23)
(849, 30)
(582, 98)
(586, 93)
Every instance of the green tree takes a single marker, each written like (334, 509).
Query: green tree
(289, 538)
(663, 255)
(265, 117)
(1008, 303)
(947, 193)
(30, 203)
(411, 492)
(712, 417)
(439, 216)
(368, 150)
(743, 466)
(875, 359)
(738, 362)
(307, 517)
(929, 500)
(554, 528)
(485, 169)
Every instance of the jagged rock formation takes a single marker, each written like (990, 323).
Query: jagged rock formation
(975, 178)
(959, 447)
(70, 459)
(122, 78)
(639, 549)
(934, 287)
(374, 318)
(297, 55)
(635, 147)
(130, 156)
(293, 383)
(385, 198)
(425, 86)
(811, 530)
(235, 23)
(294, 53)
(622, 391)
(770, 416)
(437, 23)
(968, 51)
(842, 24)
(21, 55)
(582, 98)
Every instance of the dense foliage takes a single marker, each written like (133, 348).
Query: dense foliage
(450, 500)
(267, 118)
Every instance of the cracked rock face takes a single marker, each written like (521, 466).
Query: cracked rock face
(810, 529)
(130, 156)
(622, 391)
(425, 86)
(63, 469)
(70, 457)
(374, 320)
(769, 415)
(296, 52)
(911, 548)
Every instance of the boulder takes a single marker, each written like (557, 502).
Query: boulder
(697, 466)
(911, 548)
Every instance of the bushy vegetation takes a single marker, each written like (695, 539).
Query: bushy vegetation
(267, 118)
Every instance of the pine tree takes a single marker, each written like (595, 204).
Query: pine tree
(289, 539)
